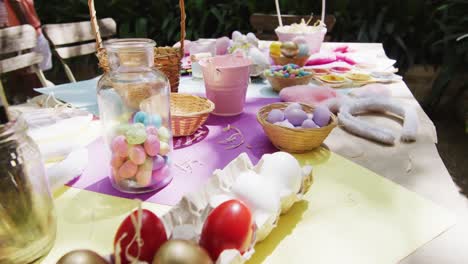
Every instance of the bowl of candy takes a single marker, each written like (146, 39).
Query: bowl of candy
(313, 35)
(288, 75)
(289, 52)
(295, 127)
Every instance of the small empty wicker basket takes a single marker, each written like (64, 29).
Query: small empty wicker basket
(188, 113)
(294, 140)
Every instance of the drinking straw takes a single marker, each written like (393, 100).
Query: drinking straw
(280, 21)
(322, 20)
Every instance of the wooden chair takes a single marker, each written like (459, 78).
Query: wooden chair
(71, 40)
(265, 24)
(16, 53)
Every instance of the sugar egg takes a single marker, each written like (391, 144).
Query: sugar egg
(296, 116)
(275, 115)
(321, 116)
(308, 123)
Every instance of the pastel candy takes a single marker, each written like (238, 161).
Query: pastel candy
(140, 117)
(164, 134)
(121, 129)
(115, 174)
(137, 155)
(158, 162)
(152, 145)
(137, 126)
(143, 177)
(151, 130)
(125, 117)
(119, 146)
(135, 135)
(117, 161)
(148, 164)
(164, 148)
(153, 120)
(128, 169)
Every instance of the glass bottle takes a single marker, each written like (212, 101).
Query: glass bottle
(134, 108)
(27, 218)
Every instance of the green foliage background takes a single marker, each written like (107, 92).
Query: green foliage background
(412, 31)
(399, 24)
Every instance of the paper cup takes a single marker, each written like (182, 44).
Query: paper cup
(314, 39)
(226, 80)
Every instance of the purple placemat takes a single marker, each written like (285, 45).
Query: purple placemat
(202, 149)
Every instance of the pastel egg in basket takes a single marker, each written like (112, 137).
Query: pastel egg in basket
(290, 135)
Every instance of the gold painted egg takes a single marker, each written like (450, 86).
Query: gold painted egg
(289, 49)
(181, 252)
(82, 257)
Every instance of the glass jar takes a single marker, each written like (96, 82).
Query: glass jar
(27, 218)
(134, 109)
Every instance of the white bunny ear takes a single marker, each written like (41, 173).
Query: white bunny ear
(410, 126)
(364, 129)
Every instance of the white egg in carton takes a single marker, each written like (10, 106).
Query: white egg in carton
(269, 189)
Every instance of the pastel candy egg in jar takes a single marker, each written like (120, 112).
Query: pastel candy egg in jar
(134, 109)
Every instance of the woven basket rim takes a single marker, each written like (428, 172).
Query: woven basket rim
(198, 98)
(263, 122)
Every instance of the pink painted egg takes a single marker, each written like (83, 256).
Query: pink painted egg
(128, 169)
(137, 154)
(152, 145)
(143, 177)
(119, 146)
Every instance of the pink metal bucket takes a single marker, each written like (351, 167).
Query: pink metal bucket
(314, 40)
(226, 80)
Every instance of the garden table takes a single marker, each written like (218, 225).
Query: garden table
(416, 166)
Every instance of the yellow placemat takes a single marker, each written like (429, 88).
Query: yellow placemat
(354, 216)
(350, 215)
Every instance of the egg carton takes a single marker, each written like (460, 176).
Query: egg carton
(185, 220)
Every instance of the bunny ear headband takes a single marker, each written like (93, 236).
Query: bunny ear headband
(348, 108)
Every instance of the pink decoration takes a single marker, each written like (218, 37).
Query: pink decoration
(222, 45)
(137, 154)
(128, 169)
(307, 94)
(119, 146)
(345, 58)
(342, 49)
(152, 145)
(320, 59)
